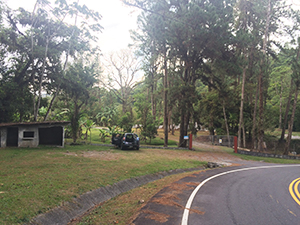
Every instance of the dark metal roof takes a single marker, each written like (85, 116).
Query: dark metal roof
(47, 123)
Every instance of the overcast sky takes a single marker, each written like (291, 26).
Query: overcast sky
(117, 20)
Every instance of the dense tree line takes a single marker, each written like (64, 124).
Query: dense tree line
(232, 48)
(42, 54)
(231, 66)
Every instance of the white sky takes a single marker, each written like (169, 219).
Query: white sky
(117, 20)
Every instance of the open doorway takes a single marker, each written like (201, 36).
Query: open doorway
(12, 137)
(51, 136)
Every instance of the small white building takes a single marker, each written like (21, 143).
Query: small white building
(32, 134)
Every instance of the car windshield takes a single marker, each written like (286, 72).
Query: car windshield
(129, 137)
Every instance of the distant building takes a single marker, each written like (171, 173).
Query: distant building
(32, 134)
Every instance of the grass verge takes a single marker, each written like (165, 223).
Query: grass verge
(123, 208)
(32, 181)
(264, 159)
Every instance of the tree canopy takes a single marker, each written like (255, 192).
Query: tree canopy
(231, 67)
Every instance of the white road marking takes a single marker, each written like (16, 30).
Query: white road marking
(185, 216)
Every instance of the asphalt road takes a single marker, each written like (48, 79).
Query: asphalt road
(256, 196)
(229, 196)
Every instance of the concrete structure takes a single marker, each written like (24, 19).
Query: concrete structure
(32, 134)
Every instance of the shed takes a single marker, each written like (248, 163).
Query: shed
(32, 134)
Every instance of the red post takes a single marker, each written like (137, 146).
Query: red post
(191, 142)
(235, 144)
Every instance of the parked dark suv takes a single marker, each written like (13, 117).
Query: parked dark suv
(127, 140)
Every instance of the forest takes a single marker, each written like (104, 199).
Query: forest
(228, 66)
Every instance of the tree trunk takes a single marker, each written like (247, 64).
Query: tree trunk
(244, 135)
(254, 120)
(166, 126)
(170, 121)
(286, 112)
(32, 55)
(261, 112)
(63, 71)
(280, 106)
(74, 122)
(51, 104)
(226, 124)
(290, 130)
(153, 103)
(36, 113)
(181, 136)
(291, 123)
(261, 81)
(241, 121)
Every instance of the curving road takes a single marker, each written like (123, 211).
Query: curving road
(251, 194)
(259, 195)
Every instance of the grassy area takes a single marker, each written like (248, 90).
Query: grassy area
(277, 132)
(264, 159)
(268, 160)
(159, 142)
(123, 208)
(33, 181)
(95, 139)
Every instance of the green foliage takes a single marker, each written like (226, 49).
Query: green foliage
(102, 134)
(67, 174)
(149, 129)
(146, 121)
(79, 80)
(35, 49)
(15, 100)
(88, 125)
(126, 122)
(108, 114)
(113, 130)
(220, 131)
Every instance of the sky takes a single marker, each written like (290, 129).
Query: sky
(117, 20)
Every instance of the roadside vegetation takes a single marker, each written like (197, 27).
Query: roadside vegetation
(123, 209)
(36, 180)
(228, 76)
(186, 68)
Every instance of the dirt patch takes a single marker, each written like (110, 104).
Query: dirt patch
(196, 211)
(219, 157)
(167, 199)
(103, 155)
(158, 217)
(170, 196)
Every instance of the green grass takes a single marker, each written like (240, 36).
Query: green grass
(265, 159)
(268, 160)
(277, 133)
(95, 139)
(33, 181)
(158, 141)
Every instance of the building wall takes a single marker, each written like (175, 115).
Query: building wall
(32, 135)
(25, 138)
(3, 133)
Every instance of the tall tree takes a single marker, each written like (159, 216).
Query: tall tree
(122, 76)
(43, 41)
(79, 79)
(191, 32)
